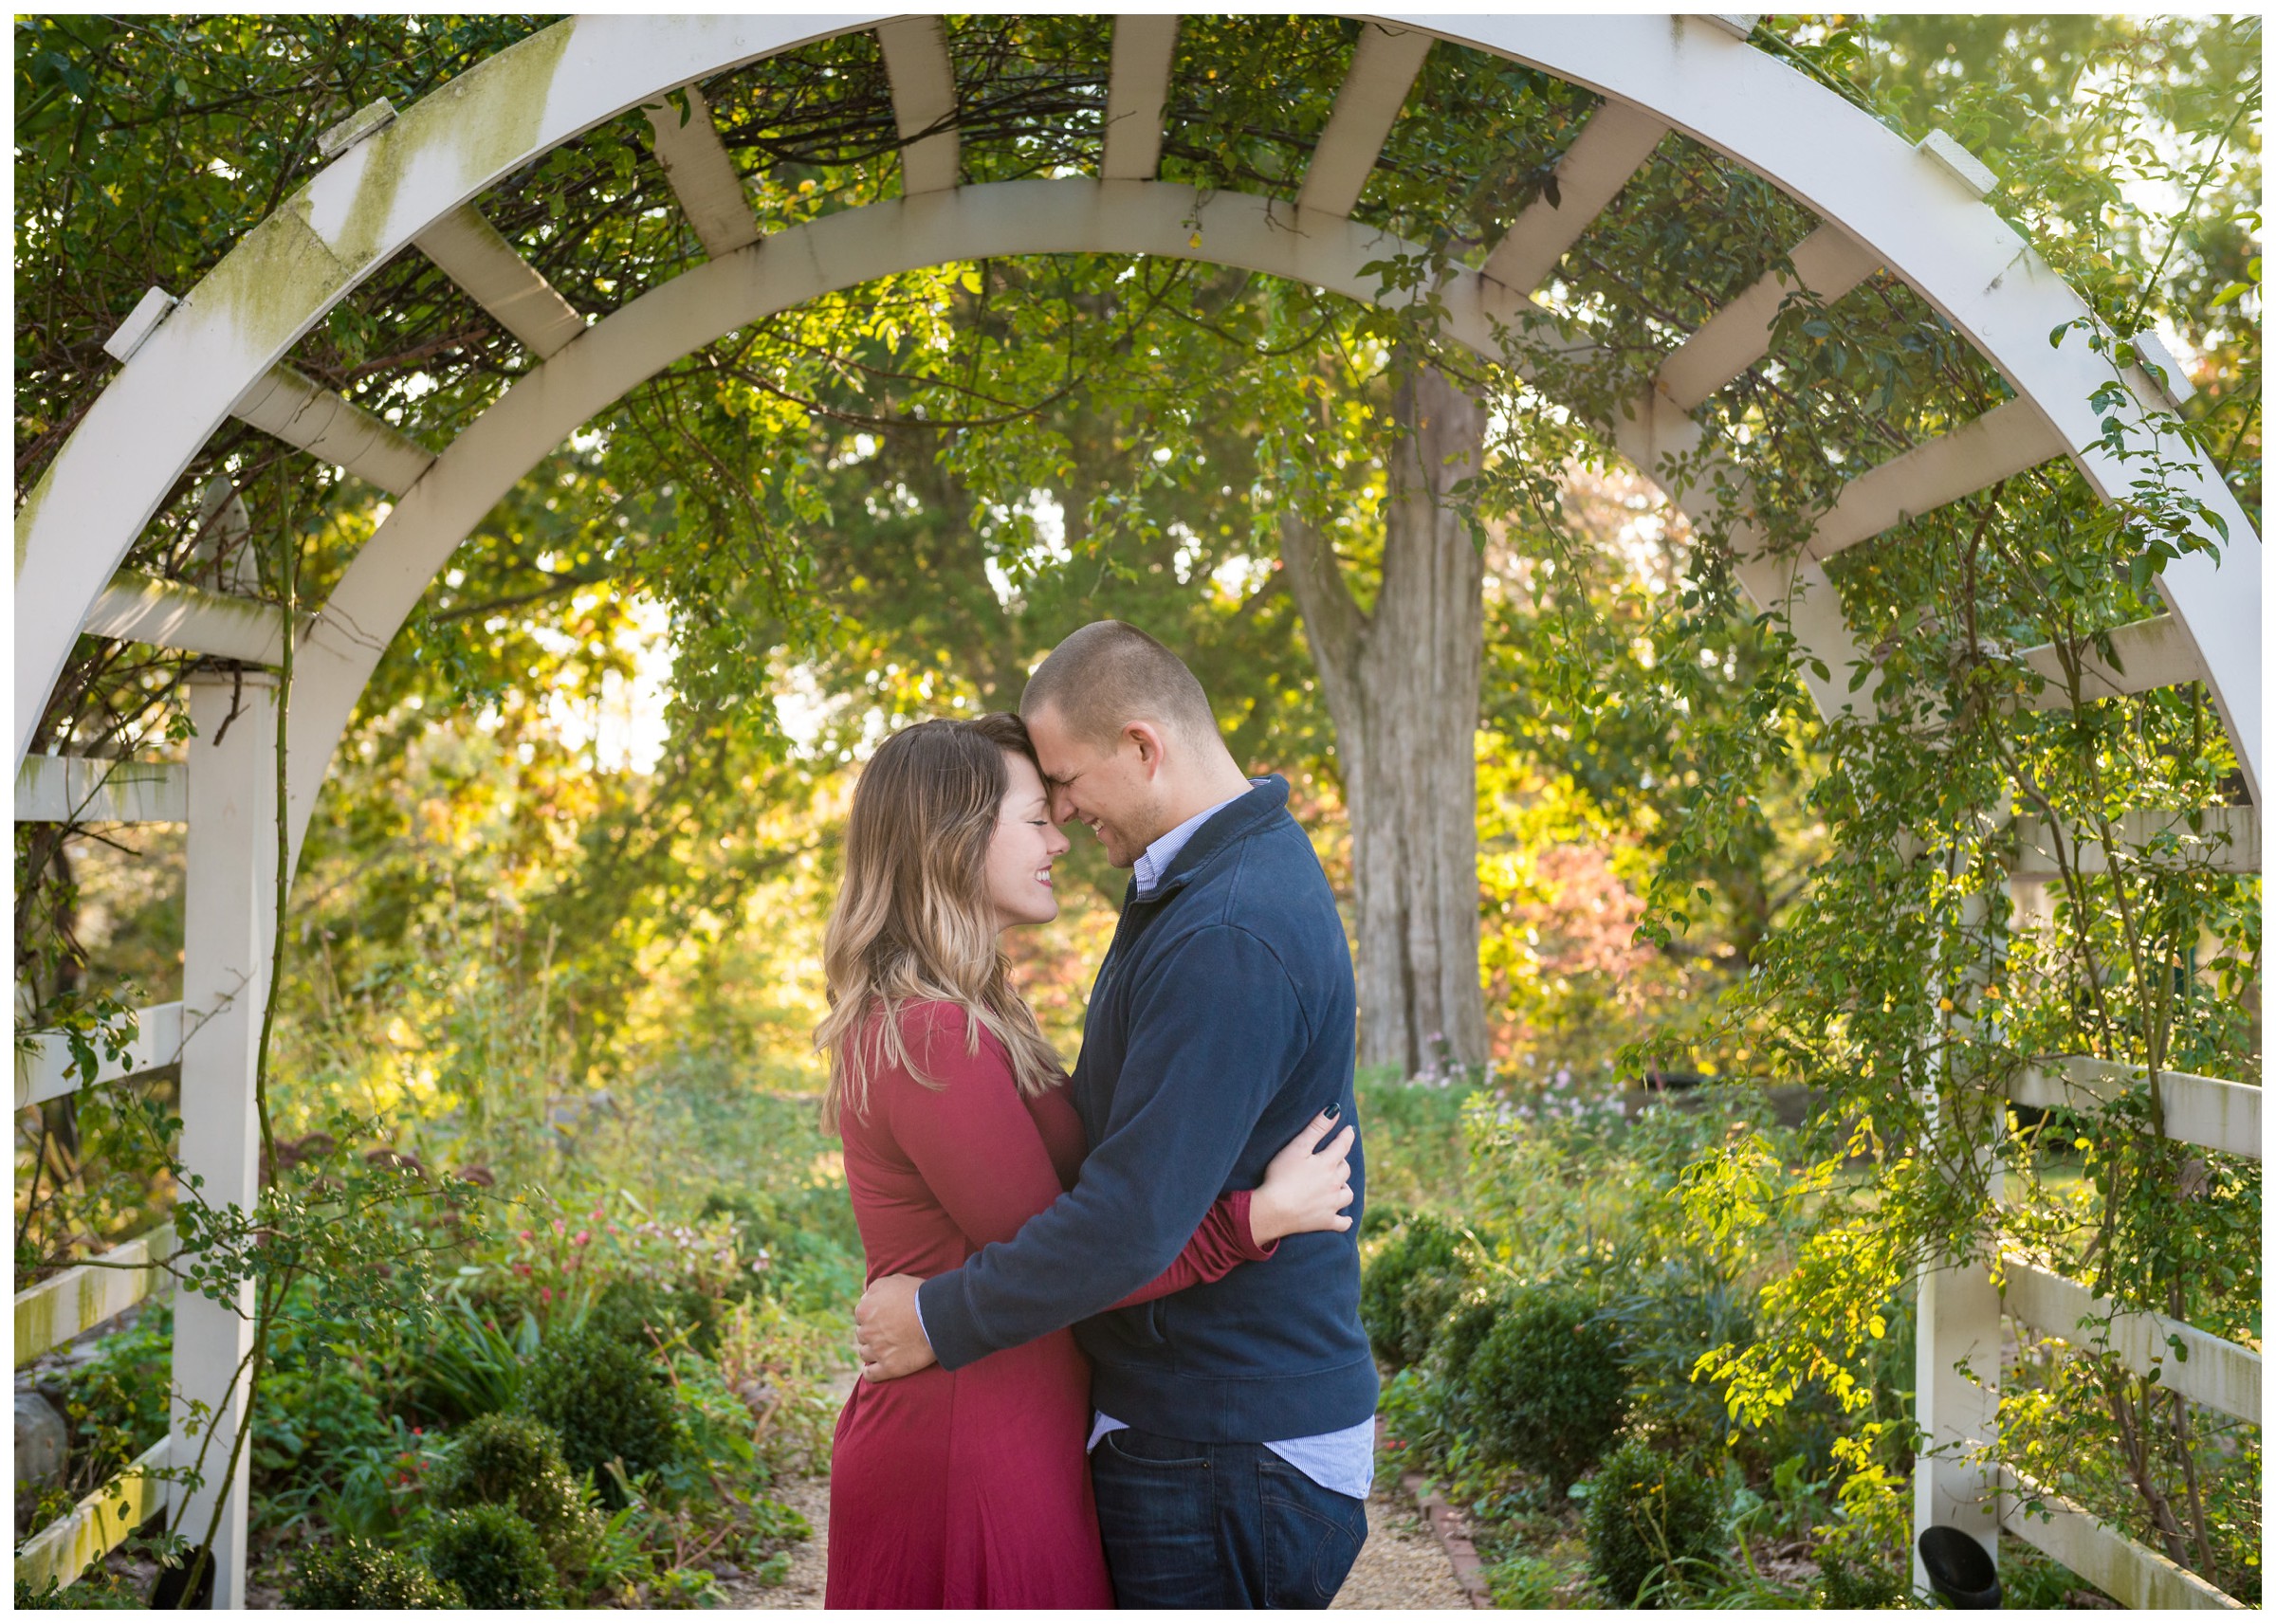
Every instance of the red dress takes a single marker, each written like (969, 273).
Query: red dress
(970, 1488)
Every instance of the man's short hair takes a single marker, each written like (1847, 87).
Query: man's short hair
(1108, 675)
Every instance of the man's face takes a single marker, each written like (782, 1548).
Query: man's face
(1108, 786)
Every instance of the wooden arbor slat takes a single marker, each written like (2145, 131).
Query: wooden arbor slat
(1382, 71)
(1137, 90)
(702, 177)
(98, 1524)
(78, 1300)
(45, 1069)
(2208, 1111)
(923, 81)
(466, 248)
(75, 789)
(2098, 1553)
(2198, 1365)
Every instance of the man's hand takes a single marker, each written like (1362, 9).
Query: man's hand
(887, 1332)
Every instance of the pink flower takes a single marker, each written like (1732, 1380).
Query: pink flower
(526, 1237)
(584, 1238)
(560, 1227)
(611, 1229)
(544, 1293)
(522, 1269)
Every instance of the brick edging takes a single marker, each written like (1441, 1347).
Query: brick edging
(1451, 1532)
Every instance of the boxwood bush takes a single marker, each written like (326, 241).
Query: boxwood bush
(356, 1574)
(492, 1555)
(514, 1461)
(606, 1399)
(1546, 1387)
(1414, 1277)
(1653, 1519)
(630, 1310)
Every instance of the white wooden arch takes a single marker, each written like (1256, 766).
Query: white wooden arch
(1901, 207)
(1917, 211)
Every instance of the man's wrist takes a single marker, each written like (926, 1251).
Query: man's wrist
(949, 1331)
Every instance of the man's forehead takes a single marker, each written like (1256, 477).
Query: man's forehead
(1046, 731)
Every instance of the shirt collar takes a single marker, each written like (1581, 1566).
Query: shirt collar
(1155, 860)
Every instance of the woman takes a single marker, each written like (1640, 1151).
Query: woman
(970, 1488)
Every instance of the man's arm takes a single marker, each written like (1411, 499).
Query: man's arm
(976, 1147)
(1215, 1033)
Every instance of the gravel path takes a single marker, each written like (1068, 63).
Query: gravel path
(1402, 1565)
(804, 1587)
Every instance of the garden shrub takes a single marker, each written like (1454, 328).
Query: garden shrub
(1424, 1307)
(1847, 1584)
(685, 1589)
(492, 1555)
(606, 1400)
(1380, 1218)
(355, 1574)
(803, 1231)
(626, 1310)
(97, 1590)
(1547, 1388)
(1461, 1332)
(318, 1406)
(1651, 1517)
(117, 1401)
(514, 1461)
(1667, 1317)
(1418, 1248)
(1523, 1582)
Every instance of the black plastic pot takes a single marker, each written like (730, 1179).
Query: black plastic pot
(167, 1593)
(1959, 1570)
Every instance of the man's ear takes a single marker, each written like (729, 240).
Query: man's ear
(1147, 739)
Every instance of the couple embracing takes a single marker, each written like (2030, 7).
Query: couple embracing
(1111, 1345)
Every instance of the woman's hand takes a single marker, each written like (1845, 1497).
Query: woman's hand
(1305, 1189)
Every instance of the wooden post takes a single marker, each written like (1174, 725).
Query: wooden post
(1959, 1325)
(228, 926)
(1956, 1353)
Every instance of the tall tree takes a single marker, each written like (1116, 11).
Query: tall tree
(1400, 680)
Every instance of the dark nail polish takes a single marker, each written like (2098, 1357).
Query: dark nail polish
(1335, 1110)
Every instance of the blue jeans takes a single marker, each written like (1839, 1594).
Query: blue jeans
(1191, 1524)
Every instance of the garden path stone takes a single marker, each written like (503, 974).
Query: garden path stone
(42, 1440)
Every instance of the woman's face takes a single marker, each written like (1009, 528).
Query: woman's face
(1020, 853)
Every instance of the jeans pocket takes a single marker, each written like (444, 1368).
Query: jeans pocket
(1312, 1537)
(1151, 1449)
(1157, 1518)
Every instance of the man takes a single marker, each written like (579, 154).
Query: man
(1234, 1442)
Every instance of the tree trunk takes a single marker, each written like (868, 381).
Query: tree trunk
(1400, 682)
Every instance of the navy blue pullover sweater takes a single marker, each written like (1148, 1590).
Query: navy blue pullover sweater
(1223, 1021)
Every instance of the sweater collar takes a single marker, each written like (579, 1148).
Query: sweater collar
(1217, 828)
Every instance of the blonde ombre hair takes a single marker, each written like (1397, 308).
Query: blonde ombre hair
(912, 921)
